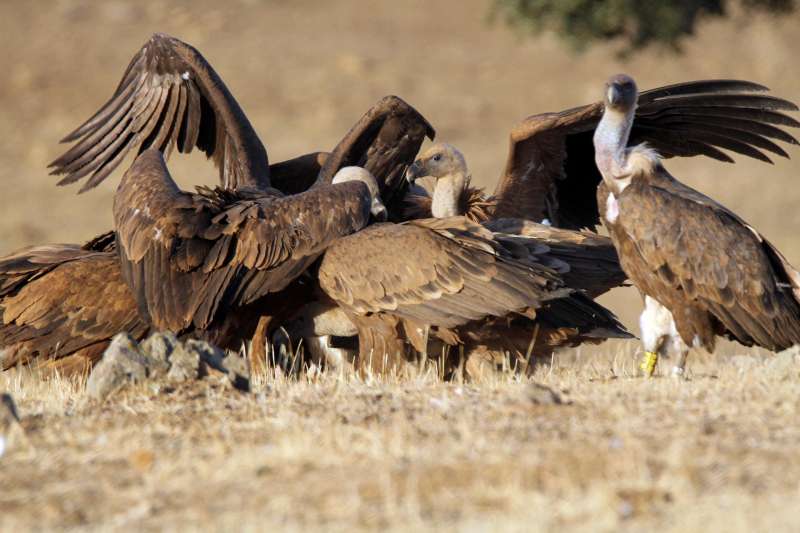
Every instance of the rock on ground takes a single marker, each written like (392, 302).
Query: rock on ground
(162, 356)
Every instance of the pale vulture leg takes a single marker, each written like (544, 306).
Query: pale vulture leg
(660, 338)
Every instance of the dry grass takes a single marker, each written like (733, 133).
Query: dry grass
(334, 452)
(716, 452)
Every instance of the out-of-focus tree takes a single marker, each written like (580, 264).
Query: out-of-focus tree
(634, 23)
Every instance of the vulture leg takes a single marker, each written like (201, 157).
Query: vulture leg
(659, 337)
(381, 349)
(258, 347)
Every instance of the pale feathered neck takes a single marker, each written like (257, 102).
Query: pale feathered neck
(447, 194)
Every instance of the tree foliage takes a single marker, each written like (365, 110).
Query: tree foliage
(635, 23)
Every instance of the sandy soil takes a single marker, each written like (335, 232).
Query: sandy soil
(333, 453)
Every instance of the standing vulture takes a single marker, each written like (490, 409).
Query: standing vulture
(702, 270)
(550, 174)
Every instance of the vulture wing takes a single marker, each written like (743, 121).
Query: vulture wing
(713, 257)
(186, 256)
(550, 170)
(439, 272)
(384, 141)
(593, 262)
(60, 305)
(168, 97)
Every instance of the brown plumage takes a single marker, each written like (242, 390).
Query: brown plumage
(550, 173)
(60, 305)
(396, 281)
(704, 270)
(168, 97)
(384, 141)
(192, 257)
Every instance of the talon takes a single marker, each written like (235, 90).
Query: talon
(677, 371)
(648, 364)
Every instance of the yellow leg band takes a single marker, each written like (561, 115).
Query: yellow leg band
(648, 364)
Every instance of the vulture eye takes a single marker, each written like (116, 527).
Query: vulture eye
(437, 157)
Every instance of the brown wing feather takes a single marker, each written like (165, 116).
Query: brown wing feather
(593, 262)
(707, 258)
(168, 97)
(67, 304)
(448, 272)
(384, 141)
(550, 171)
(186, 256)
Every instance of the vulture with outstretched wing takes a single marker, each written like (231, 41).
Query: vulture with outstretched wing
(702, 270)
(550, 173)
(170, 96)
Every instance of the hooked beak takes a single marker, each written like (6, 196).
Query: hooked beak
(378, 211)
(413, 172)
(614, 95)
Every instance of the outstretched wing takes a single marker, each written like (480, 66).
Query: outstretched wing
(437, 272)
(384, 141)
(550, 170)
(186, 256)
(168, 97)
(687, 241)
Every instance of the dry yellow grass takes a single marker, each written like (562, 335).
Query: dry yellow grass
(716, 452)
(328, 452)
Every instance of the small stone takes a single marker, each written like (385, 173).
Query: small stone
(234, 367)
(184, 364)
(122, 363)
(542, 395)
(159, 347)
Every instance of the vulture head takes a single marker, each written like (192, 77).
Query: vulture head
(378, 210)
(620, 93)
(438, 161)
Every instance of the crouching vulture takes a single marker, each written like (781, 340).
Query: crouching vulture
(456, 281)
(170, 97)
(703, 271)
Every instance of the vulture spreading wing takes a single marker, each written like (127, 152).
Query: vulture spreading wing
(550, 171)
(188, 257)
(60, 305)
(168, 97)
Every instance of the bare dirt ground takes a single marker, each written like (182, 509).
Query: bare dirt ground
(334, 453)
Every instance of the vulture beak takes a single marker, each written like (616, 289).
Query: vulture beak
(614, 95)
(413, 172)
(378, 211)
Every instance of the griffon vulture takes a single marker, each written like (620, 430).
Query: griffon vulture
(590, 261)
(702, 270)
(454, 279)
(550, 174)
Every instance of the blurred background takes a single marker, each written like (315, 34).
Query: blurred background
(304, 71)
